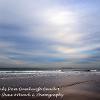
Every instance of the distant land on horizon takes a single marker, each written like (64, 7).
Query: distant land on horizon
(63, 68)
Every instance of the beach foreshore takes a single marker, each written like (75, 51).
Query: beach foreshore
(50, 86)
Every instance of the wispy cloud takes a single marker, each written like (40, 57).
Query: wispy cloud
(49, 32)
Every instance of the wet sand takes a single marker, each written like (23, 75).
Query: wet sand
(73, 85)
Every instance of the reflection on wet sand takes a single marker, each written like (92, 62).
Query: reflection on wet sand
(74, 86)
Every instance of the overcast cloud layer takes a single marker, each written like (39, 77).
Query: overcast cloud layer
(50, 33)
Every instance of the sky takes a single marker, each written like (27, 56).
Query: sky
(50, 33)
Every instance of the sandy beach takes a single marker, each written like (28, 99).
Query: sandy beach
(69, 85)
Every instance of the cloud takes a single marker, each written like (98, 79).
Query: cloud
(49, 32)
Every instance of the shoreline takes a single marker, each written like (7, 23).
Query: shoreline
(78, 86)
